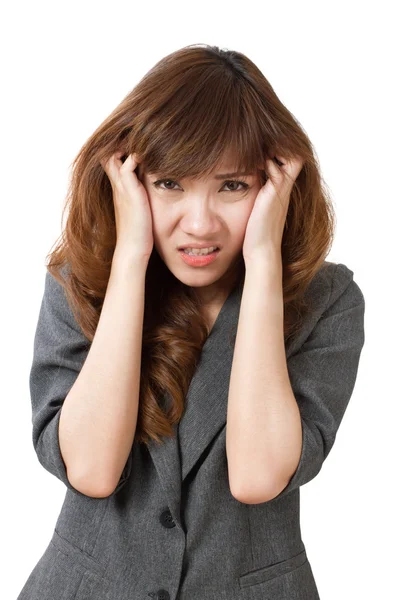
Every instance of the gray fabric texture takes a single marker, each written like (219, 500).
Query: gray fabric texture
(171, 530)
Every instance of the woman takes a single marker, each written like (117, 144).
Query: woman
(183, 399)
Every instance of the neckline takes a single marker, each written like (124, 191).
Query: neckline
(224, 314)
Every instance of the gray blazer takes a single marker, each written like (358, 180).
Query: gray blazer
(171, 530)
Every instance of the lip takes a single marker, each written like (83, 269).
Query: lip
(199, 261)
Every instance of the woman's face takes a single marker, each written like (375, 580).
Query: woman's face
(213, 210)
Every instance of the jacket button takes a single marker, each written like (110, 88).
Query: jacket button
(166, 519)
(163, 595)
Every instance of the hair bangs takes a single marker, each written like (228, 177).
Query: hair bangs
(214, 130)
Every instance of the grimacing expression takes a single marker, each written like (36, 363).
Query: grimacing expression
(214, 210)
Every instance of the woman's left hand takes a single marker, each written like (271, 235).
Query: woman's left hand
(266, 223)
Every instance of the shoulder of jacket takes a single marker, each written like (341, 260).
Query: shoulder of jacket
(332, 281)
(344, 284)
(338, 282)
(56, 301)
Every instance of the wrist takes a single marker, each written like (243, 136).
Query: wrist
(126, 258)
(270, 259)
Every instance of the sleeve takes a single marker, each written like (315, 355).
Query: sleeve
(323, 374)
(59, 352)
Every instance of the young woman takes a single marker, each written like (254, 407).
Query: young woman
(183, 396)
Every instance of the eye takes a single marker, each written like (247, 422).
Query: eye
(244, 185)
(160, 181)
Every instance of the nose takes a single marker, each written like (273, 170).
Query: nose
(200, 219)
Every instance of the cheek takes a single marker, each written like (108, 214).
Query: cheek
(160, 223)
(239, 222)
(245, 214)
(237, 228)
(158, 214)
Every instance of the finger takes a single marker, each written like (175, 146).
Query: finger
(289, 168)
(277, 175)
(128, 169)
(113, 168)
(272, 170)
(293, 168)
(280, 160)
(105, 162)
(129, 164)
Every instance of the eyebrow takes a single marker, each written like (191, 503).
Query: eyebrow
(226, 175)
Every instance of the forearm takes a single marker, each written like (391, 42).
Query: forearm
(263, 434)
(99, 415)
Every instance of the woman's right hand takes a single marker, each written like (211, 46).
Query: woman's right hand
(133, 219)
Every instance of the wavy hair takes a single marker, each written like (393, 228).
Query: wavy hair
(181, 118)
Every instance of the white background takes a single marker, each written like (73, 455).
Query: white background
(65, 66)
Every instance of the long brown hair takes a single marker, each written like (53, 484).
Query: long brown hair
(181, 118)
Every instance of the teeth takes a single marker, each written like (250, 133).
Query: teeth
(200, 251)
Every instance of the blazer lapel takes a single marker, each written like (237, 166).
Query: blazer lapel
(207, 397)
(206, 406)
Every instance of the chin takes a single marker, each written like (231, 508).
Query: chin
(197, 279)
